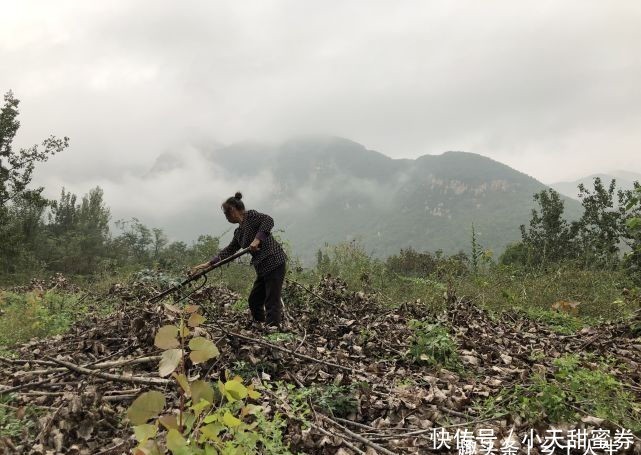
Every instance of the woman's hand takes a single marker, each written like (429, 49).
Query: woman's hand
(197, 268)
(254, 246)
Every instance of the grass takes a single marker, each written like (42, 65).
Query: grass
(36, 315)
(561, 323)
(245, 369)
(14, 421)
(600, 293)
(240, 306)
(338, 400)
(577, 388)
(432, 344)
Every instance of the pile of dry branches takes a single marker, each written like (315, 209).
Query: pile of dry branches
(82, 382)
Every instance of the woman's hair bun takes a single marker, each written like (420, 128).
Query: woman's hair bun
(238, 195)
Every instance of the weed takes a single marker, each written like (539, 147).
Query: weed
(208, 419)
(404, 382)
(365, 335)
(29, 315)
(572, 391)
(297, 398)
(247, 370)
(536, 355)
(337, 400)
(15, 422)
(240, 306)
(562, 323)
(432, 344)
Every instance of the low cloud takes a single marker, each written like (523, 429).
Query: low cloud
(550, 88)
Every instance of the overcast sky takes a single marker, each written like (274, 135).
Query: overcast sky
(551, 88)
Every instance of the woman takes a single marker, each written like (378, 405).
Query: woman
(268, 258)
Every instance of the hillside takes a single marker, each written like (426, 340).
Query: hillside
(624, 180)
(328, 189)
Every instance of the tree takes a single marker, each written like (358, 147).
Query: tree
(134, 244)
(631, 209)
(160, 241)
(174, 256)
(78, 234)
(599, 229)
(22, 234)
(549, 237)
(63, 216)
(204, 248)
(412, 263)
(16, 167)
(515, 254)
(21, 208)
(93, 230)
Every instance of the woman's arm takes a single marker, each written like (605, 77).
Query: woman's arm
(226, 252)
(266, 223)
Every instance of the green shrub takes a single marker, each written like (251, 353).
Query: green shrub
(335, 399)
(432, 344)
(207, 420)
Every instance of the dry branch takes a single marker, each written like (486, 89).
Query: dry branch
(111, 377)
(295, 354)
(357, 437)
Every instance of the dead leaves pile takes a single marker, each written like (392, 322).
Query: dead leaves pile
(337, 338)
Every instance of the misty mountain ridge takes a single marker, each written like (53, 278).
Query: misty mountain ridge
(324, 190)
(624, 181)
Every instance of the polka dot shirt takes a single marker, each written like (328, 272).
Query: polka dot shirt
(256, 225)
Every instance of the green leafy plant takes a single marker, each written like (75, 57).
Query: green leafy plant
(562, 323)
(16, 421)
(296, 399)
(632, 232)
(240, 306)
(571, 392)
(432, 344)
(339, 400)
(208, 419)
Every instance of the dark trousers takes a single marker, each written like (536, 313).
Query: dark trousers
(265, 295)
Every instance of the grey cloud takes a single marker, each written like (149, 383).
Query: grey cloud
(550, 88)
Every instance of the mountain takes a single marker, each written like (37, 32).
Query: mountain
(325, 190)
(624, 180)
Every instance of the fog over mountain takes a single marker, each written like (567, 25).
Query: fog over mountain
(624, 180)
(549, 88)
(323, 189)
(171, 107)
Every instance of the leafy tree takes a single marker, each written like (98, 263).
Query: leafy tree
(174, 256)
(78, 233)
(16, 167)
(21, 208)
(549, 237)
(204, 248)
(515, 254)
(63, 216)
(93, 230)
(412, 263)
(160, 241)
(631, 209)
(133, 245)
(599, 229)
(22, 234)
